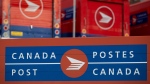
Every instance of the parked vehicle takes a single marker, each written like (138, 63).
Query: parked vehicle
(31, 18)
(140, 18)
(95, 18)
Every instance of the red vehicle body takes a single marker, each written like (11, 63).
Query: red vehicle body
(96, 18)
(140, 18)
(31, 18)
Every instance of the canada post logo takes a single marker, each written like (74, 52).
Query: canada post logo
(72, 65)
(104, 17)
(77, 63)
(31, 9)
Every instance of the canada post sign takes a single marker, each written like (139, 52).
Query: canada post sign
(76, 63)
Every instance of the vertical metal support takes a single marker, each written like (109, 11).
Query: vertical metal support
(1, 18)
(74, 18)
(53, 18)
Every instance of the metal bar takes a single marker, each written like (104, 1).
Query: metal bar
(74, 18)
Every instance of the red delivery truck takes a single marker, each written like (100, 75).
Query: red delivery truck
(140, 18)
(31, 18)
(95, 18)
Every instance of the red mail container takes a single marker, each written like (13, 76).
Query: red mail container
(31, 18)
(140, 18)
(96, 18)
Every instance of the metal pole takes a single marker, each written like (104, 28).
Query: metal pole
(74, 18)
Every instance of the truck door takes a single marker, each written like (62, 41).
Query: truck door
(104, 18)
